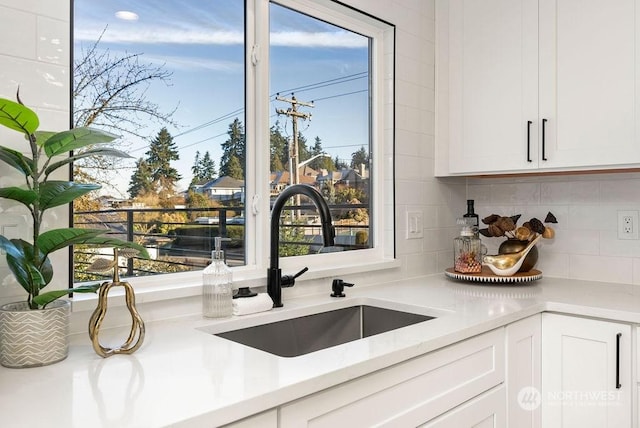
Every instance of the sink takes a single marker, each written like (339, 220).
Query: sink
(304, 334)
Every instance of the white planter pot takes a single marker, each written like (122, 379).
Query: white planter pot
(33, 338)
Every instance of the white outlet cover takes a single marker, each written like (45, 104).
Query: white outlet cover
(622, 232)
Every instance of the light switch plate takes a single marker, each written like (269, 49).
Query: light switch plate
(415, 228)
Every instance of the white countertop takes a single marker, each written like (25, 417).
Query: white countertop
(184, 376)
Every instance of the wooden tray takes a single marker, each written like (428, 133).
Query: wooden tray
(487, 276)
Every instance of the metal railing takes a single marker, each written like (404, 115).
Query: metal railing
(181, 239)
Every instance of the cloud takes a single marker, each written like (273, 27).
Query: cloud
(333, 39)
(195, 36)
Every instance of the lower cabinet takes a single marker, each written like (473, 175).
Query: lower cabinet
(488, 410)
(548, 370)
(586, 373)
(268, 419)
(412, 393)
(523, 379)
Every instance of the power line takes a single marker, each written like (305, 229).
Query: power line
(311, 86)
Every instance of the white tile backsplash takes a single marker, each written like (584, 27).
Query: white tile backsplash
(586, 244)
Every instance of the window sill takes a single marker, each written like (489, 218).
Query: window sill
(153, 289)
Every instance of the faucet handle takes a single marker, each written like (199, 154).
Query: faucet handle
(290, 280)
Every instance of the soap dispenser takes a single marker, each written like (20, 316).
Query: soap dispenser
(217, 285)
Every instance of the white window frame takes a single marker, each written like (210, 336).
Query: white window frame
(257, 125)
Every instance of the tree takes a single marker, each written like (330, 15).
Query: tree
(141, 182)
(234, 168)
(339, 163)
(279, 154)
(323, 162)
(208, 167)
(162, 150)
(232, 162)
(303, 151)
(203, 169)
(110, 93)
(360, 157)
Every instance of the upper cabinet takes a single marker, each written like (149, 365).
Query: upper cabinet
(537, 85)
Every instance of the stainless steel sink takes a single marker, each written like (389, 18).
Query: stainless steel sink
(309, 333)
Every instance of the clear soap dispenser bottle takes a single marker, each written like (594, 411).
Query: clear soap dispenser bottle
(217, 285)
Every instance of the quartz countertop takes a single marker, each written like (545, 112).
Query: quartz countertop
(185, 376)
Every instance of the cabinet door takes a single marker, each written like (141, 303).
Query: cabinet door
(485, 411)
(586, 373)
(589, 82)
(524, 376)
(493, 85)
(268, 419)
(408, 394)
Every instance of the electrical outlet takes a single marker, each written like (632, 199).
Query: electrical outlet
(627, 224)
(414, 225)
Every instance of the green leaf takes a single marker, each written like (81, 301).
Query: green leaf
(16, 160)
(55, 193)
(56, 239)
(24, 196)
(44, 299)
(42, 136)
(21, 262)
(73, 139)
(85, 154)
(18, 117)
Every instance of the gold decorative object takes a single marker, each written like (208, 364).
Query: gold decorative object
(136, 335)
(508, 264)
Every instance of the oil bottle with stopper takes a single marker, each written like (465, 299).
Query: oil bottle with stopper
(217, 285)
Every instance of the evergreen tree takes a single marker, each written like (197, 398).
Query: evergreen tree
(303, 151)
(234, 169)
(359, 157)
(323, 162)
(203, 169)
(234, 147)
(208, 167)
(162, 151)
(279, 153)
(196, 169)
(141, 182)
(339, 163)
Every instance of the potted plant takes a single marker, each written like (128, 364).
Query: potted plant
(34, 332)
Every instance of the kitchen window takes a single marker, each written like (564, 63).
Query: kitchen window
(243, 99)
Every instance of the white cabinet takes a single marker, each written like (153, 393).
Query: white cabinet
(411, 393)
(268, 419)
(586, 373)
(493, 84)
(538, 85)
(485, 411)
(523, 380)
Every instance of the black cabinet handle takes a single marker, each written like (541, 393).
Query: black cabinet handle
(544, 123)
(618, 385)
(529, 140)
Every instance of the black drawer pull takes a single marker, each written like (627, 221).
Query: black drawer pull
(529, 140)
(618, 337)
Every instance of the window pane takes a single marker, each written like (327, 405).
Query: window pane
(320, 128)
(169, 78)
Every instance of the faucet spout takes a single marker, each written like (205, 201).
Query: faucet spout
(274, 275)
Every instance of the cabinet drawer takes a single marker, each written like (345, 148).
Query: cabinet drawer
(409, 393)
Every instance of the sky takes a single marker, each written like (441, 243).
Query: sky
(201, 44)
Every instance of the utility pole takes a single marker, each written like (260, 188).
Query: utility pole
(294, 158)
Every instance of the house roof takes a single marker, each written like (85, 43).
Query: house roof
(283, 177)
(224, 182)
